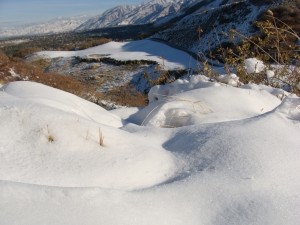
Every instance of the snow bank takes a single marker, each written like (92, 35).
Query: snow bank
(168, 57)
(197, 100)
(240, 169)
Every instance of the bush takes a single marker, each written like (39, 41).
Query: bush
(277, 44)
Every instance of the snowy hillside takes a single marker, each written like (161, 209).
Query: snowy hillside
(53, 26)
(148, 60)
(207, 23)
(147, 12)
(202, 152)
(169, 58)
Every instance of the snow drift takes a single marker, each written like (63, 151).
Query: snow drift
(237, 163)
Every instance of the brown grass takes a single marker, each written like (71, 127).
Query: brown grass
(127, 96)
(288, 13)
(34, 73)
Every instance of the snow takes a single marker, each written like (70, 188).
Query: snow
(168, 57)
(13, 73)
(254, 65)
(183, 103)
(230, 156)
(147, 12)
(216, 18)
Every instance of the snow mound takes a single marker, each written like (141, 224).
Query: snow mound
(193, 105)
(237, 162)
(159, 92)
(30, 92)
(50, 137)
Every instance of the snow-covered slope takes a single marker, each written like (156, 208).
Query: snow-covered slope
(53, 26)
(231, 159)
(206, 24)
(168, 57)
(147, 12)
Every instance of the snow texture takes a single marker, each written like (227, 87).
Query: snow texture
(231, 156)
(253, 65)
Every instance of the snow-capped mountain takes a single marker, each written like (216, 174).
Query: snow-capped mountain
(147, 12)
(57, 25)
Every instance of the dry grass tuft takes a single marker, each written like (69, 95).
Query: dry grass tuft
(101, 138)
(50, 137)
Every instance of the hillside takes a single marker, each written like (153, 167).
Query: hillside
(206, 25)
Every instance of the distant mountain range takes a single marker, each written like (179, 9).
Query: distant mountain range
(147, 12)
(144, 13)
(57, 25)
(197, 26)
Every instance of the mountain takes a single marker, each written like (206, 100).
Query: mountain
(206, 25)
(147, 12)
(57, 25)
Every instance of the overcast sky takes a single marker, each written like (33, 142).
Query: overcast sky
(18, 12)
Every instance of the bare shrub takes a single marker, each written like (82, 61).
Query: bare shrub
(277, 44)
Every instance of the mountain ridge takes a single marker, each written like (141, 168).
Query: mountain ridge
(144, 13)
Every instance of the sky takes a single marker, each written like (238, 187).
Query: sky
(19, 12)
